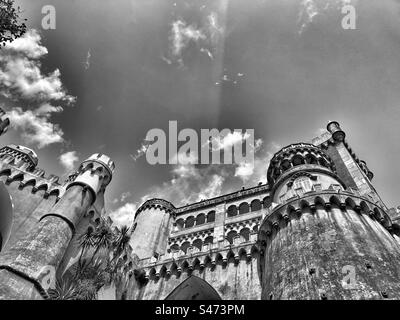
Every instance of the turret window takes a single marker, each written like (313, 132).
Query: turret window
(303, 183)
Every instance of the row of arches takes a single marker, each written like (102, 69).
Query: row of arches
(187, 245)
(245, 207)
(326, 201)
(246, 253)
(192, 221)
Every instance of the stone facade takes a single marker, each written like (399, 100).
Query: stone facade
(316, 230)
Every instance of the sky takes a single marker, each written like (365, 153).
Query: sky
(113, 70)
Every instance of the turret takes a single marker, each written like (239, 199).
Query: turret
(153, 222)
(321, 240)
(26, 267)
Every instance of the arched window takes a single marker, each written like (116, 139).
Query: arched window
(185, 246)
(232, 211)
(189, 222)
(245, 233)
(180, 223)
(256, 205)
(266, 202)
(297, 160)
(211, 216)
(198, 244)
(231, 236)
(200, 219)
(303, 183)
(208, 240)
(243, 208)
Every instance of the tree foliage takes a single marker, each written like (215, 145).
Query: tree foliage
(11, 25)
(100, 263)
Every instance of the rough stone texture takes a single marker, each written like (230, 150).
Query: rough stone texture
(311, 255)
(16, 288)
(39, 254)
(153, 227)
(25, 203)
(231, 281)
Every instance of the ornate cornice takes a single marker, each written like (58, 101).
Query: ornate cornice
(224, 198)
(157, 204)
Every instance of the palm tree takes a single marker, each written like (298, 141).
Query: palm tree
(103, 238)
(121, 241)
(65, 289)
(86, 241)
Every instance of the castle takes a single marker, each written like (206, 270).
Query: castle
(316, 230)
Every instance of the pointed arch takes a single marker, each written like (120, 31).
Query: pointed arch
(194, 288)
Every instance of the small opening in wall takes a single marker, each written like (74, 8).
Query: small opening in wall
(368, 265)
(271, 297)
(384, 294)
(324, 296)
(311, 271)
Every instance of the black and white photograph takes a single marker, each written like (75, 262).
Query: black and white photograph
(221, 151)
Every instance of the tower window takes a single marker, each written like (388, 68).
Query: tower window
(303, 183)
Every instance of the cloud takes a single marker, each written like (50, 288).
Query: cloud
(182, 34)
(68, 160)
(141, 151)
(310, 9)
(230, 140)
(22, 81)
(87, 62)
(20, 72)
(191, 184)
(252, 174)
(35, 126)
(124, 215)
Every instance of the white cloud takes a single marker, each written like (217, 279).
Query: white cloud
(20, 74)
(310, 9)
(252, 174)
(22, 81)
(182, 34)
(35, 126)
(229, 140)
(87, 62)
(124, 215)
(68, 160)
(141, 151)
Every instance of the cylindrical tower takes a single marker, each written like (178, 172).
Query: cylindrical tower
(319, 240)
(152, 224)
(27, 267)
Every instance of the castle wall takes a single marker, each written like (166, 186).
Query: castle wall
(347, 255)
(153, 227)
(25, 215)
(231, 281)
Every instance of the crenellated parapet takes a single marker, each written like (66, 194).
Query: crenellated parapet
(160, 204)
(19, 156)
(95, 173)
(281, 215)
(288, 160)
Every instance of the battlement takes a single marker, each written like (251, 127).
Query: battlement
(20, 156)
(295, 155)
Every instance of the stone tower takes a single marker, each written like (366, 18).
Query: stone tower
(24, 265)
(328, 235)
(153, 222)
